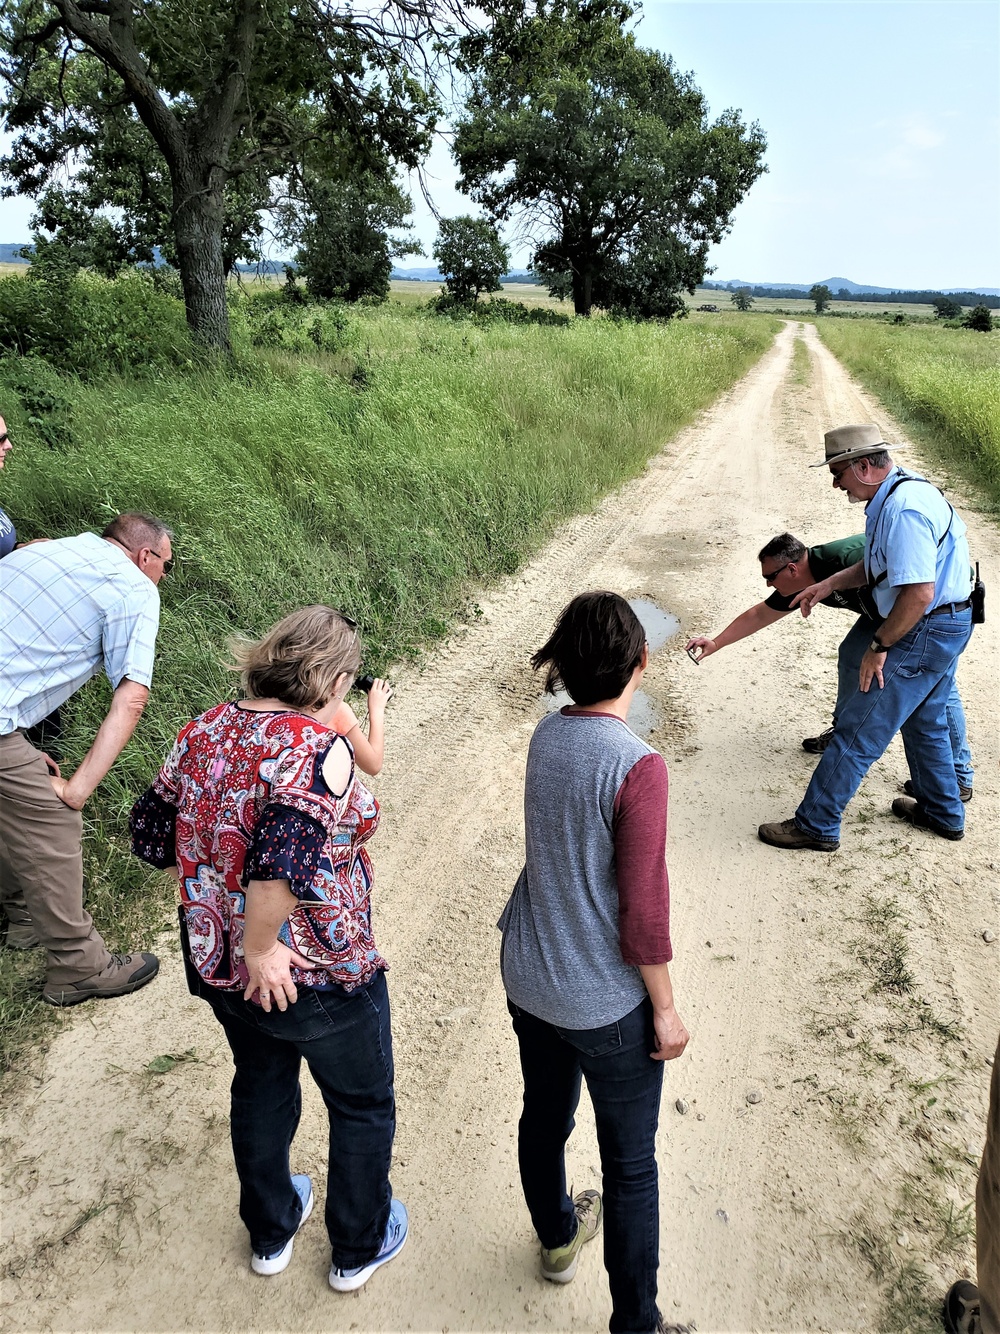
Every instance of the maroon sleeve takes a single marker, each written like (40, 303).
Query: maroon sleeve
(640, 831)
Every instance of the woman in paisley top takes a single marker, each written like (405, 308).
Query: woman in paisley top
(259, 813)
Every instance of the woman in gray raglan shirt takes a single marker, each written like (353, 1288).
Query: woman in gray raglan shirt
(586, 944)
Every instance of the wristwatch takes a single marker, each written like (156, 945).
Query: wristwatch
(876, 647)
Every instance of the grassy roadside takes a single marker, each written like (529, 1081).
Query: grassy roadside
(943, 383)
(389, 477)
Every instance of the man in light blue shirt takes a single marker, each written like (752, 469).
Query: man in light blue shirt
(68, 608)
(916, 571)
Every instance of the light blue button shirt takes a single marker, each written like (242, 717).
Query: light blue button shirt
(902, 536)
(66, 608)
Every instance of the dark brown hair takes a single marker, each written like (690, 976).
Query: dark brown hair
(596, 646)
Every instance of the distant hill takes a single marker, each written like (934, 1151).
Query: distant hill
(11, 254)
(841, 284)
(429, 275)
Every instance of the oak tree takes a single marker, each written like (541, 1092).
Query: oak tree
(471, 256)
(214, 93)
(602, 149)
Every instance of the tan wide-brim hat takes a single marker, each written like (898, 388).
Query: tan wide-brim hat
(852, 442)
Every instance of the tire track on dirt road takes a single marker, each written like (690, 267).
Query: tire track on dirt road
(751, 1194)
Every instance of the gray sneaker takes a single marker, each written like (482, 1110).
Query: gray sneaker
(124, 974)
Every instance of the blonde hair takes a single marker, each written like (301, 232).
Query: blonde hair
(300, 659)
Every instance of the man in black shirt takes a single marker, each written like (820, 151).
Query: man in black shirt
(788, 567)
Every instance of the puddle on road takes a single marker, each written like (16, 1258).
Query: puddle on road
(658, 624)
(643, 715)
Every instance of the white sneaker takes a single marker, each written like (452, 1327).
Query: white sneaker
(396, 1231)
(275, 1261)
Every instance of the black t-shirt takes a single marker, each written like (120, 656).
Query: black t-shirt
(825, 560)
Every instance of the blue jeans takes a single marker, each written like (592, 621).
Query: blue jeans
(345, 1039)
(852, 650)
(919, 676)
(624, 1086)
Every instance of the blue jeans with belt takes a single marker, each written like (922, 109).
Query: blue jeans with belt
(919, 676)
(852, 650)
(624, 1086)
(345, 1039)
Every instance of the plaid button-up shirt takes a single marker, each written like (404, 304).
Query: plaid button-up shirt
(66, 608)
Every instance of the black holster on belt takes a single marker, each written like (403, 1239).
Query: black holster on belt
(978, 600)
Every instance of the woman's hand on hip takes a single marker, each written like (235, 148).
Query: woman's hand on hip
(671, 1035)
(270, 974)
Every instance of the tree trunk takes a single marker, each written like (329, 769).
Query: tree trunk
(583, 292)
(198, 218)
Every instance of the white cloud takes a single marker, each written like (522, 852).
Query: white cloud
(906, 140)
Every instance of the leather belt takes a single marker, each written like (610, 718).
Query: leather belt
(951, 607)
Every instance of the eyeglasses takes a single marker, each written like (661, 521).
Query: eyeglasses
(168, 564)
(846, 468)
(770, 578)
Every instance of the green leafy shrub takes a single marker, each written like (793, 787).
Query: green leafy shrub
(93, 326)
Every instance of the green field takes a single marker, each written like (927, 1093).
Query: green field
(944, 383)
(421, 458)
(874, 309)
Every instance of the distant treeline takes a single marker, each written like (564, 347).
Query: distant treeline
(876, 298)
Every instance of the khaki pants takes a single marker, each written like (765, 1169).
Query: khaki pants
(41, 865)
(988, 1213)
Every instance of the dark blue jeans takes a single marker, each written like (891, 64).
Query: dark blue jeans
(919, 676)
(624, 1086)
(345, 1039)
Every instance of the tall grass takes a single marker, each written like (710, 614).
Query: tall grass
(946, 381)
(387, 479)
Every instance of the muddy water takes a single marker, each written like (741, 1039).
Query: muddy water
(658, 624)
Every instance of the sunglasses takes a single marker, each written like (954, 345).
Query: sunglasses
(168, 564)
(4, 438)
(770, 578)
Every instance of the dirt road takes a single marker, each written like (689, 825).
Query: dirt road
(853, 991)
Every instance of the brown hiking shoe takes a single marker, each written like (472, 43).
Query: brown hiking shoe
(21, 937)
(908, 808)
(787, 834)
(124, 974)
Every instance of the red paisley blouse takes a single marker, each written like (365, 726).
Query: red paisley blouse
(242, 797)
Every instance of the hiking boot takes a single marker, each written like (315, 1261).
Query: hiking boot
(960, 1313)
(559, 1264)
(787, 834)
(396, 1231)
(816, 745)
(273, 1262)
(964, 792)
(21, 937)
(124, 974)
(908, 808)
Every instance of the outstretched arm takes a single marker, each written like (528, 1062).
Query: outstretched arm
(747, 623)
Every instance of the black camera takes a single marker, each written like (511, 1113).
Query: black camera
(364, 683)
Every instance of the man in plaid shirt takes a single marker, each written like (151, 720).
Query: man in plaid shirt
(67, 609)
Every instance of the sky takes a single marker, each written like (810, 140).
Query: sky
(883, 128)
